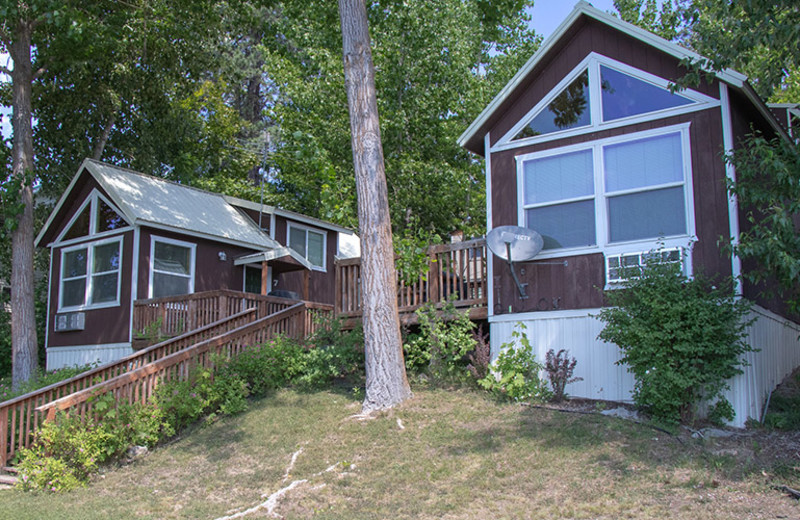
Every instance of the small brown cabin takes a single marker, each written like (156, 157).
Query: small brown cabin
(588, 146)
(117, 236)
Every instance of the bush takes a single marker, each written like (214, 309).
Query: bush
(681, 338)
(515, 372)
(441, 347)
(559, 369)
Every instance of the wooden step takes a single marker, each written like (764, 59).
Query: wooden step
(8, 480)
(9, 469)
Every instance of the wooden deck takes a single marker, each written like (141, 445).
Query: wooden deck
(456, 273)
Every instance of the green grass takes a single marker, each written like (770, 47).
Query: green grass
(458, 455)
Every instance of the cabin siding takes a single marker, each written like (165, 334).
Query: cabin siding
(591, 36)
(106, 325)
(578, 285)
(320, 284)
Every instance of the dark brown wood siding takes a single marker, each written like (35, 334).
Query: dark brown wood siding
(578, 284)
(107, 325)
(210, 272)
(586, 37)
(321, 283)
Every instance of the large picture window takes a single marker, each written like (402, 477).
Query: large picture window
(309, 243)
(90, 275)
(608, 193)
(171, 267)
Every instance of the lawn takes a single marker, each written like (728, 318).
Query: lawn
(444, 454)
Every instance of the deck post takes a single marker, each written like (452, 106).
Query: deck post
(4, 437)
(433, 278)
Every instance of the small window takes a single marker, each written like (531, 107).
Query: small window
(171, 268)
(309, 244)
(90, 275)
(106, 219)
(570, 109)
(625, 96)
(80, 227)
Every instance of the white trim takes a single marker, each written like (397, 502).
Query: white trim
(544, 315)
(89, 276)
(307, 229)
(137, 236)
(272, 254)
(272, 224)
(180, 243)
(730, 173)
(601, 196)
(489, 257)
(204, 236)
(49, 297)
(592, 62)
(60, 203)
(91, 202)
(583, 8)
(272, 211)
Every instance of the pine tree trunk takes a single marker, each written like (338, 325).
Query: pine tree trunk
(387, 384)
(23, 319)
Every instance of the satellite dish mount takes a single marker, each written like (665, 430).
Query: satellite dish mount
(515, 244)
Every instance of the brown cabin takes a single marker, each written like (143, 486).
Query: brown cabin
(588, 146)
(118, 237)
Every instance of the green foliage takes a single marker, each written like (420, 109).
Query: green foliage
(681, 338)
(42, 379)
(515, 374)
(411, 254)
(440, 348)
(70, 449)
(664, 22)
(768, 189)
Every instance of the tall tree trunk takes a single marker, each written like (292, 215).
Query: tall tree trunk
(387, 384)
(100, 144)
(23, 319)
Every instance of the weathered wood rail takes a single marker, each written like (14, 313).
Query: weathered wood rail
(173, 315)
(21, 417)
(455, 271)
(138, 386)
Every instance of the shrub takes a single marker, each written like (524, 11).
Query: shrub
(681, 338)
(559, 369)
(515, 372)
(444, 340)
(480, 357)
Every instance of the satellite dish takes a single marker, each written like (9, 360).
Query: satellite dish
(514, 243)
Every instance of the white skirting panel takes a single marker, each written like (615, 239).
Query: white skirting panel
(60, 357)
(576, 331)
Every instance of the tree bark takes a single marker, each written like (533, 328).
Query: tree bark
(387, 384)
(23, 319)
(100, 144)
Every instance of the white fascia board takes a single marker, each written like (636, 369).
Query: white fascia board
(266, 256)
(728, 75)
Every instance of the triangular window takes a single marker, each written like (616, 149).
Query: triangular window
(570, 109)
(80, 226)
(106, 218)
(625, 96)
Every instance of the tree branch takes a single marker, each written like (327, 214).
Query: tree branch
(5, 70)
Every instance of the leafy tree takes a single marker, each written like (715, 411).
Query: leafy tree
(768, 190)
(664, 22)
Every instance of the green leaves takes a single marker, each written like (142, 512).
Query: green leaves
(681, 338)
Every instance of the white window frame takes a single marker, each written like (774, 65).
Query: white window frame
(600, 196)
(90, 247)
(192, 261)
(307, 229)
(91, 201)
(592, 63)
(611, 283)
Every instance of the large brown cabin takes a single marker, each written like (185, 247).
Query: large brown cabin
(588, 145)
(117, 236)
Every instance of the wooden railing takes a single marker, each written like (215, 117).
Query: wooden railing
(456, 271)
(138, 386)
(173, 315)
(19, 420)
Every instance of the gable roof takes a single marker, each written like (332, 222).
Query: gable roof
(151, 201)
(472, 138)
(292, 215)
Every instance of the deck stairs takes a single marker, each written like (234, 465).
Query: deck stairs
(8, 476)
(134, 378)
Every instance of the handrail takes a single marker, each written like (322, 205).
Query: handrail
(18, 421)
(147, 377)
